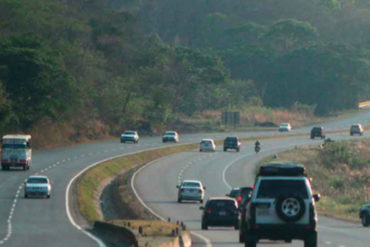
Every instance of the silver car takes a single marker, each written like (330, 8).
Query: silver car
(207, 145)
(129, 136)
(190, 190)
(37, 186)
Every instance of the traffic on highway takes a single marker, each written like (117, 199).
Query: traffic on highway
(220, 196)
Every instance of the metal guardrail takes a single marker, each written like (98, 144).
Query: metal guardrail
(364, 104)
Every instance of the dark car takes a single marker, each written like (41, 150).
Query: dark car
(232, 143)
(220, 211)
(241, 195)
(317, 132)
(365, 215)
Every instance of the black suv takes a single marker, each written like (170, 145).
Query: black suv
(317, 132)
(232, 143)
(365, 215)
(282, 206)
(220, 211)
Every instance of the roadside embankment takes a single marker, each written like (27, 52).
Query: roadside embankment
(340, 171)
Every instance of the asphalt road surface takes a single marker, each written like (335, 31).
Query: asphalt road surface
(44, 222)
(219, 172)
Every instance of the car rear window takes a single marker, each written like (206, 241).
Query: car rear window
(190, 184)
(235, 193)
(231, 139)
(37, 181)
(275, 188)
(221, 204)
(130, 132)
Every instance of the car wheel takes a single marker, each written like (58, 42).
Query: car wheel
(225, 149)
(48, 196)
(25, 195)
(24, 167)
(241, 238)
(236, 226)
(238, 150)
(290, 208)
(201, 201)
(250, 241)
(311, 241)
(179, 200)
(365, 220)
(204, 226)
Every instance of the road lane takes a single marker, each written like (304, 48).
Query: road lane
(37, 222)
(210, 169)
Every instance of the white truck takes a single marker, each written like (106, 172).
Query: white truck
(16, 152)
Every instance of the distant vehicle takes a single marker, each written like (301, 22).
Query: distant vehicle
(241, 194)
(285, 127)
(37, 186)
(170, 136)
(282, 206)
(207, 145)
(356, 129)
(130, 136)
(317, 132)
(190, 190)
(257, 146)
(232, 143)
(220, 211)
(365, 215)
(16, 152)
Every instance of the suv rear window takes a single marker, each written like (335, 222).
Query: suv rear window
(275, 188)
(221, 204)
(231, 139)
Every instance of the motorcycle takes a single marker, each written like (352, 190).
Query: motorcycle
(257, 148)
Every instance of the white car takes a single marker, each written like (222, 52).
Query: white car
(356, 129)
(190, 190)
(37, 186)
(285, 127)
(170, 136)
(207, 145)
(130, 136)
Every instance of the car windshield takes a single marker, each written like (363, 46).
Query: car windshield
(129, 133)
(284, 124)
(170, 133)
(14, 146)
(276, 188)
(37, 181)
(206, 142)
(221, 204)
(191, 184)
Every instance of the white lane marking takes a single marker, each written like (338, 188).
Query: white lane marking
(328, 242)
(206, 240)
(10, 217)
(69, 215)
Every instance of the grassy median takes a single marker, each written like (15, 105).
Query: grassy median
(340, 172)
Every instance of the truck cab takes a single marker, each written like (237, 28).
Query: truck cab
(16, 152)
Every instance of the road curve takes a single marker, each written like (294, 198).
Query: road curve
(219, 172)
(42, 222)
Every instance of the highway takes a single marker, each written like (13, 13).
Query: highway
(219, 172)
(44, 222)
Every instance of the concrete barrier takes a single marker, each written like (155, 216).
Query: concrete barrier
(115, 233)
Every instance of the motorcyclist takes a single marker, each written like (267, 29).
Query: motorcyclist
(257, 146)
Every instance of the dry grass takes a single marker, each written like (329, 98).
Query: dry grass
(149, 227)
(341, 174)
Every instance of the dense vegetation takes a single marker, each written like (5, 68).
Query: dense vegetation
(143, 63)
